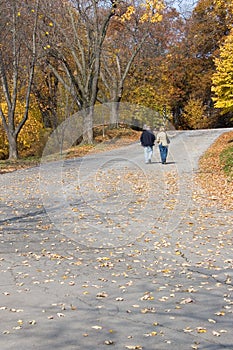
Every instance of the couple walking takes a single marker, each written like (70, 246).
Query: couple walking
(148, 139)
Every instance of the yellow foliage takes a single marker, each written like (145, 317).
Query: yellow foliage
(152, 12)
(223, 77)
(224, 4)
(128, 14)
(194, 114)
(227, 7)
(30, 135)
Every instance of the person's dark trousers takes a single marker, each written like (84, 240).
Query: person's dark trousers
(163, 153)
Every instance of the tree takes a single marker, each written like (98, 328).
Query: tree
(205, 30)
(83, 33)
(194, 114)
(125, 38)
(77, 53)
(17, 64)
(188, 64)
(153, 76)
(46, 90)
(223, 77)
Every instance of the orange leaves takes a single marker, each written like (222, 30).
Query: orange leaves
(211, 176)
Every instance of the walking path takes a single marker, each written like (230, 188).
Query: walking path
(109, 251)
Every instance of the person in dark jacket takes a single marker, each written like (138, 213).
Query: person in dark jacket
(147, 140)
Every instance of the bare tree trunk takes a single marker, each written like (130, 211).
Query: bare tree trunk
(114, 116)
(13, 149)
(88, 125)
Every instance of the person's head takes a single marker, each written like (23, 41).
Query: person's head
(146, 127)
(162, 128)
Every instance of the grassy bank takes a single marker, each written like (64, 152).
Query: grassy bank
(226, 159)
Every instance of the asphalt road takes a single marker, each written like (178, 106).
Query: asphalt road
(109, 251)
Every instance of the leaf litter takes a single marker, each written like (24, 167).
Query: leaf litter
(129, 272)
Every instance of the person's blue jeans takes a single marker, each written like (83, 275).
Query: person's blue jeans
(163, 153)
(148, 151)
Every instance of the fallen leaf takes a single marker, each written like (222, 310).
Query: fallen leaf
(188, 330)
(216, 334)
(33, 322)
(101, 295)
(220, 313)
(147, 296)
(96, 327)
(187, 301)
(152, 334)
(211, 320)
(3, 308)
(148, 310)
(201, 330)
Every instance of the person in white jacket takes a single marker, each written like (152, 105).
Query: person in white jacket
(163, 141)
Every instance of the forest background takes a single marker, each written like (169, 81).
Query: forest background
(61, 57)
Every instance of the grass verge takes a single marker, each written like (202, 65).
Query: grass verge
(226, 159)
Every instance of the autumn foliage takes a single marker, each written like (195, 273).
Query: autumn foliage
(64, 57)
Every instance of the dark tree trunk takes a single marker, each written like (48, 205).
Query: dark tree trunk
(13, 149)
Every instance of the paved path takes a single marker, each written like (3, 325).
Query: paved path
(108, 251)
